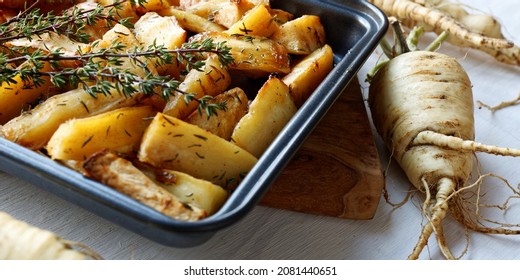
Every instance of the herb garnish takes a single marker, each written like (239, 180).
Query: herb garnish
(98, 70)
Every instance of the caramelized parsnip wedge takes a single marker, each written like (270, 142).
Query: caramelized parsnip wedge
(119, 130)
(123, 176)
(34, 128)
(308, 73)
(254, 56)
(171, 143)
(269, 112)
(224, 121)
(191, 22)
(212, 80)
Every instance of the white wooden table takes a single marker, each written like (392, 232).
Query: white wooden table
(276, 234)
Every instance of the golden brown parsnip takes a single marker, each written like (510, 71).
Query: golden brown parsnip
(212, 80)
(154, 30)
(16, 97)
(254, 56)
(123, 176)
(301, 36)
(268, 114)
(118, 130)
(34, 129)
(171, 143)
(308, 73)
(188, 189)
(222, 122)
(258, 22)
(190, 21)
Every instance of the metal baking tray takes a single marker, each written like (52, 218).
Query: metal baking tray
(353, 27)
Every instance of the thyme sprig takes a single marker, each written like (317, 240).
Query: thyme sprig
(31, 22)
(190, 53)
(99, 71)
(205, 104)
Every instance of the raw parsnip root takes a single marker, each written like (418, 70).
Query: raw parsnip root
(422, 107)
(475, 30)
(21, 241)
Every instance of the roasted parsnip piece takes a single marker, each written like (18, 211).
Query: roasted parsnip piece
(171, 143)
(197, 192)
(121, 175)
(187, 4)
(17, 97)
(123, 35)
(151, 28)
(153, 5)
(48, 42)
(302, 35)
(126, 9)
(281, 16)
(188, 189)
(119, 130)
(254, 56)
(212, 80)
(269, 112)
(258, 21)
(257, 2)
(222, 122)
(97, 29)
(308, 73)
(205, 9)
(34, 128)
(155, 30)
(232, 12)
(191, 22)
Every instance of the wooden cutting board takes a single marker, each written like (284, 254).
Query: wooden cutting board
(337, 171)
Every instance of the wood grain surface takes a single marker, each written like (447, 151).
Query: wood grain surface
(337, 171)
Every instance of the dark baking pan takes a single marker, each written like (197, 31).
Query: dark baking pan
(353, 28)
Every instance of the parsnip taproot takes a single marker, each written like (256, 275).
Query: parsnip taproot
(478, 31)
(479, 22)
(421, 104)
(21, 241)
